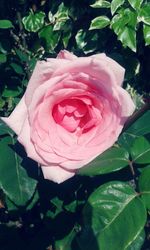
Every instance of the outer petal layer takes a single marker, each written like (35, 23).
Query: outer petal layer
(56, 173)
(16, 120)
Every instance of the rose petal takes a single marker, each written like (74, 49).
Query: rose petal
(56, 173)
(42, 72)
(64, 54)
(16, 120)
(118, 70)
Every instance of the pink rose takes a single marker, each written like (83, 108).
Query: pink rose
(72, 111)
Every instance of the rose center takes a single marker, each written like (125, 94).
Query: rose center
(74, 115)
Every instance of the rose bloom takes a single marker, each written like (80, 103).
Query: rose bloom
(74, 108)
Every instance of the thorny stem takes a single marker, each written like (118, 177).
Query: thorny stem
(137, 115)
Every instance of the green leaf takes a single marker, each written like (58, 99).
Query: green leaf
(65, 243)
(138, 242)
(22, 56)
(124, 25)
(114, 216)
(87, 40)
(4, 129)
(138, 128)
(144, 186)
(100, 4)
(6, 24)
(144, 14)
(12, 92)
(115, 4)
(61, 17)
(146, 31)
(140, 151)
(136, 4)
(66, 37)
(99, 22)
(3, 58)
(34, 22)
(17, 68)
(111, 160)
(128, 38)
(14, 181)
(49, 38)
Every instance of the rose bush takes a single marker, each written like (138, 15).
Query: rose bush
(73, 110)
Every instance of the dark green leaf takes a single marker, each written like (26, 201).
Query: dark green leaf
(113, 212)
(4, 129)
(65, 243)
(115, 4)
(100, 4)
(140, 151)
(34, 22)
(139, 128)
(99, 22)
(111, 160)
(12, 92)
(66, 36)
(49, 38)
(144, 186)
(3, 58)
(146, 31)
(87, 40)
(6, 24)
(138, 242)
(15, 182)
(17, 68)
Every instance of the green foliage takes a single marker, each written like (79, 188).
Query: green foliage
(88, 211)
(33, 22)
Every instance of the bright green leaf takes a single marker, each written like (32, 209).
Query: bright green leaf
(124, 25)
(111, 160)
(140, 151)
(146, 31)
(144, 186)
(6, 24)
(99, 22)
(3, 58)
(14, 181)
(128, 38)
(115, 4)
(34, 22)
(144, 14)
(100, 4)
(114, 217)
(135, 3)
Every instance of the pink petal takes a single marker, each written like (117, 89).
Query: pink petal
(64, 54)
(42, 72)
(16, 120)
(56, 173)
(25, 140)
(118, 70)
(126, 103)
